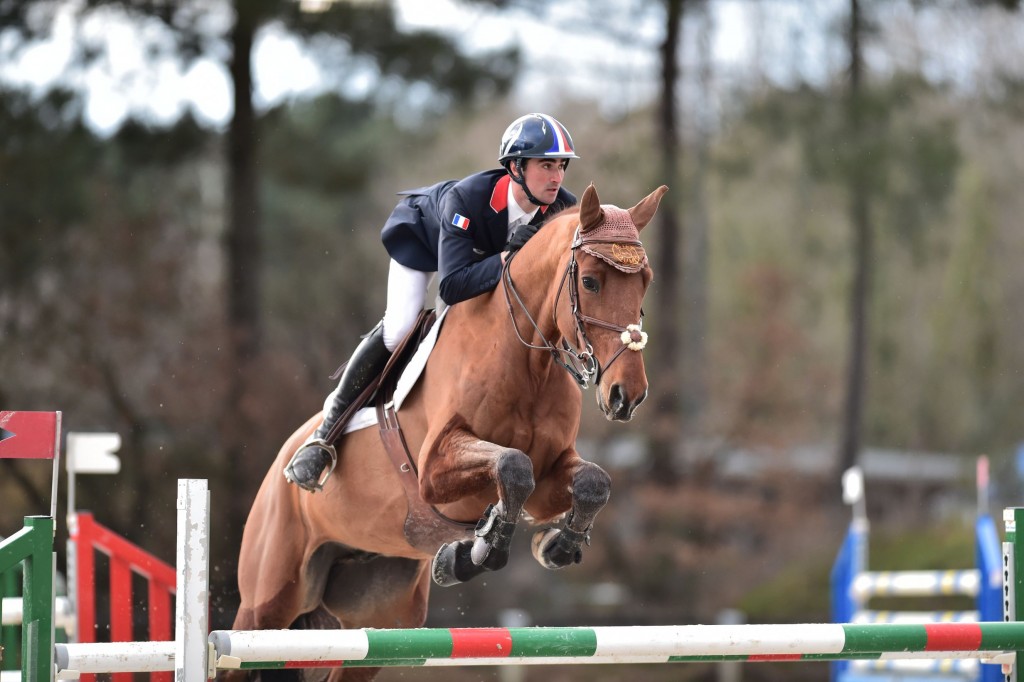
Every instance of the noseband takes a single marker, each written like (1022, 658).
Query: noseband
(579, 361)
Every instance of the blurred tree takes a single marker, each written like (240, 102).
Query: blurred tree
(860, 221)
(665, 439)
(864, 165)
(694, 351)
(42, 145)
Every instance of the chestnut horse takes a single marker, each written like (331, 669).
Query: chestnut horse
(491, 425)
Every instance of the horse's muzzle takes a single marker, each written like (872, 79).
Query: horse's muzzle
(619, 406)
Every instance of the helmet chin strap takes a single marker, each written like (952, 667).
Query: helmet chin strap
(520, 180)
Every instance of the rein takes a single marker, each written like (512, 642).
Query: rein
(582, 365)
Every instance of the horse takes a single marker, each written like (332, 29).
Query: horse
(491, 427)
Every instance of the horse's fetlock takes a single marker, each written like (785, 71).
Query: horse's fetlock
(572, 537)
(490, 556)
(493, 538)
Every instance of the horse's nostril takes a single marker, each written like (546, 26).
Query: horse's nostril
(616, 398)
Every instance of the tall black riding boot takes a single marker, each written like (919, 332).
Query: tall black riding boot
(306, 469)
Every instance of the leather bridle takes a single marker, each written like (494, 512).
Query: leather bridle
(579, 360)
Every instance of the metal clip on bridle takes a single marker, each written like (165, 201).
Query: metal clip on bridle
(588, 369)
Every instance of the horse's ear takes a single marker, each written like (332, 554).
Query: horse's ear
(591, 213)
(648, 206)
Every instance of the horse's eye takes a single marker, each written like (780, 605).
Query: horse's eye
(591, 284)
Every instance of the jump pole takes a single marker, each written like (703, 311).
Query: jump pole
(640, 644)
(277, 649)
(194, 657)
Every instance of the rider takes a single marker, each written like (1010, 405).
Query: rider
(460, 229)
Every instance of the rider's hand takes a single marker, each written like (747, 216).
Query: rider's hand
(520, 237)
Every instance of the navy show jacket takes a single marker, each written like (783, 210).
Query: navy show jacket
(459, 230)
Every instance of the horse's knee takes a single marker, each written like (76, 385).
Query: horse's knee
(591, 488)
(515, 478)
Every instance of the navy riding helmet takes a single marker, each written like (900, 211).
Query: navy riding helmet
(534, 136)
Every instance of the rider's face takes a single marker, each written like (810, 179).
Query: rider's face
(544, 177)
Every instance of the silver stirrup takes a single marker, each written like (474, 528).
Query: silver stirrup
(326, 447)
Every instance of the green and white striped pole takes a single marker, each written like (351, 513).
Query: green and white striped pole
(650, 644)
(993, 642)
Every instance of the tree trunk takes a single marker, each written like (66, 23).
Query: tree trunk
(667, 427)
(860, 219)
(243, 235)
(695, 247)
(242, 245)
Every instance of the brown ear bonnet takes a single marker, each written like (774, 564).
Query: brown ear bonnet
(616, 241)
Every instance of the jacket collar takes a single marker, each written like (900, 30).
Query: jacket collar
(499, 197)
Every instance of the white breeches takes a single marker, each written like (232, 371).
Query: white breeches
(407, 295)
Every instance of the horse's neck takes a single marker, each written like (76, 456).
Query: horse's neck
(534, 294)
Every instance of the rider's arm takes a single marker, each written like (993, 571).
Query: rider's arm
(464, 269)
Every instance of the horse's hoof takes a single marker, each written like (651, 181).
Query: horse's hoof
(452, 564)
(549, 553)
(542, 540)
(442, 568)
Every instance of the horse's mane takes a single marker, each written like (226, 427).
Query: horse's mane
(564, 212)
(555, 218)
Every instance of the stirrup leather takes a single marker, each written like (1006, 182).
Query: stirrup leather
(326, 447)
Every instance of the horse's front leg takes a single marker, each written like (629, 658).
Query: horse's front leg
(461, 466)
(587, 488)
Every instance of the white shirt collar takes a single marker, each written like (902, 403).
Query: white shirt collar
(516, 215)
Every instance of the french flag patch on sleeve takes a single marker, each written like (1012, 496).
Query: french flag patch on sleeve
(460, 221)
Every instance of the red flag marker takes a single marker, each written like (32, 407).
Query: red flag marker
(32, 435)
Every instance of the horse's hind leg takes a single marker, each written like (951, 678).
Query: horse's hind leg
(480, 464)
(591, 488)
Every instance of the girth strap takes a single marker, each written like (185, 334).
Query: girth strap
(420, 514)
(398, 452)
